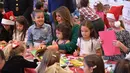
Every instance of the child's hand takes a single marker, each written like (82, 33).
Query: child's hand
(100, 41)
(54, 42)
(76, 53)
(117, 43)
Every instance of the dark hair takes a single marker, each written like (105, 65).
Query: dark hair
(84, 3)
(122, 66)
(66, 31)
(23, 21)
(2, 56)
(89, 25)
(36, 11)
(94, 60)
(39, 5)
(50, 57)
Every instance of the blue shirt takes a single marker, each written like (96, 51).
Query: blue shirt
(39, 35)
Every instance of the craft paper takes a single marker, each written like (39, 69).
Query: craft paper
(107, 38)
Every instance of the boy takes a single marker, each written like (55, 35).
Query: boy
(39, 33)
(40, 5)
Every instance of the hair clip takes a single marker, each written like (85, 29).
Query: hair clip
(94, 67)
(96, 3)
(14, 45)
(54, 56)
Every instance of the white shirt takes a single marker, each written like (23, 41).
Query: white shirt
(88, 46)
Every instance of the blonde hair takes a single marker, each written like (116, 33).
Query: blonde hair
(10, 51)
(65, 14)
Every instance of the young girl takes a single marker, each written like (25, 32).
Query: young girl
(98, 6)
(16, 62)
(20, 29)
(50, 63)
(93, 64)
(63, 35)
(2, 59)
(87, 40)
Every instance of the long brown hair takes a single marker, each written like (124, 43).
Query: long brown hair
(23, 21)
(89, 25)
(49, 58)
(122, 66)
(65, 14)
(94, 60)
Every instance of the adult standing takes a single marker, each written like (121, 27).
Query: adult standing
(20, 7)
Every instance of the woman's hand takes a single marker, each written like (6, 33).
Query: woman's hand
(120, 45)
(53, 47)
(117, 43)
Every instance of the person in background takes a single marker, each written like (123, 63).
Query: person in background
(93, 64)
(122, 66)
(50, 63)
(40, 5)
(106, 10)
(2, 59)
(19, 8)
(20, 28)
(87, 13)
(16, 62)
(39, 32)
(1, 12)
(6, 29)
(87, 41)
(98, 6)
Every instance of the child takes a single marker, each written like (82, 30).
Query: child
(88, 40)
(40, 5)
(20, 29)
(122, 36)
(98, 6)
(16, 62)
(39, 32)
(6, 29)
(87, 13)
(122, 66)
(50, 63)
(63, 35)
(93, 64)
(2, 59)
